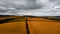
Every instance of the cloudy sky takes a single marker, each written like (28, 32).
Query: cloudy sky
(30, 7)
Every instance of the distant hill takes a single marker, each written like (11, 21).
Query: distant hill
(13, 16)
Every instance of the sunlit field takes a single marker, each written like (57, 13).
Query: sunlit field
(17, 25)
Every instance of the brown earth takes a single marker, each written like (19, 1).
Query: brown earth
(36, 26)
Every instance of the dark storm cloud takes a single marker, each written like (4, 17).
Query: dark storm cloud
(22, 4)
(51, 0)
(58, 2)
(30, 7)
(31, 4)
(2, 11)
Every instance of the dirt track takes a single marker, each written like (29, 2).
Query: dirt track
(36, 26)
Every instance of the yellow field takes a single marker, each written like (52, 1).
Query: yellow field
(44, 26)
(36, 26)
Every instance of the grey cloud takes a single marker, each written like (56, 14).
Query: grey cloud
(32, 7)
(31, 4)
(58, 2)
(51, 0)
(2, 11)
